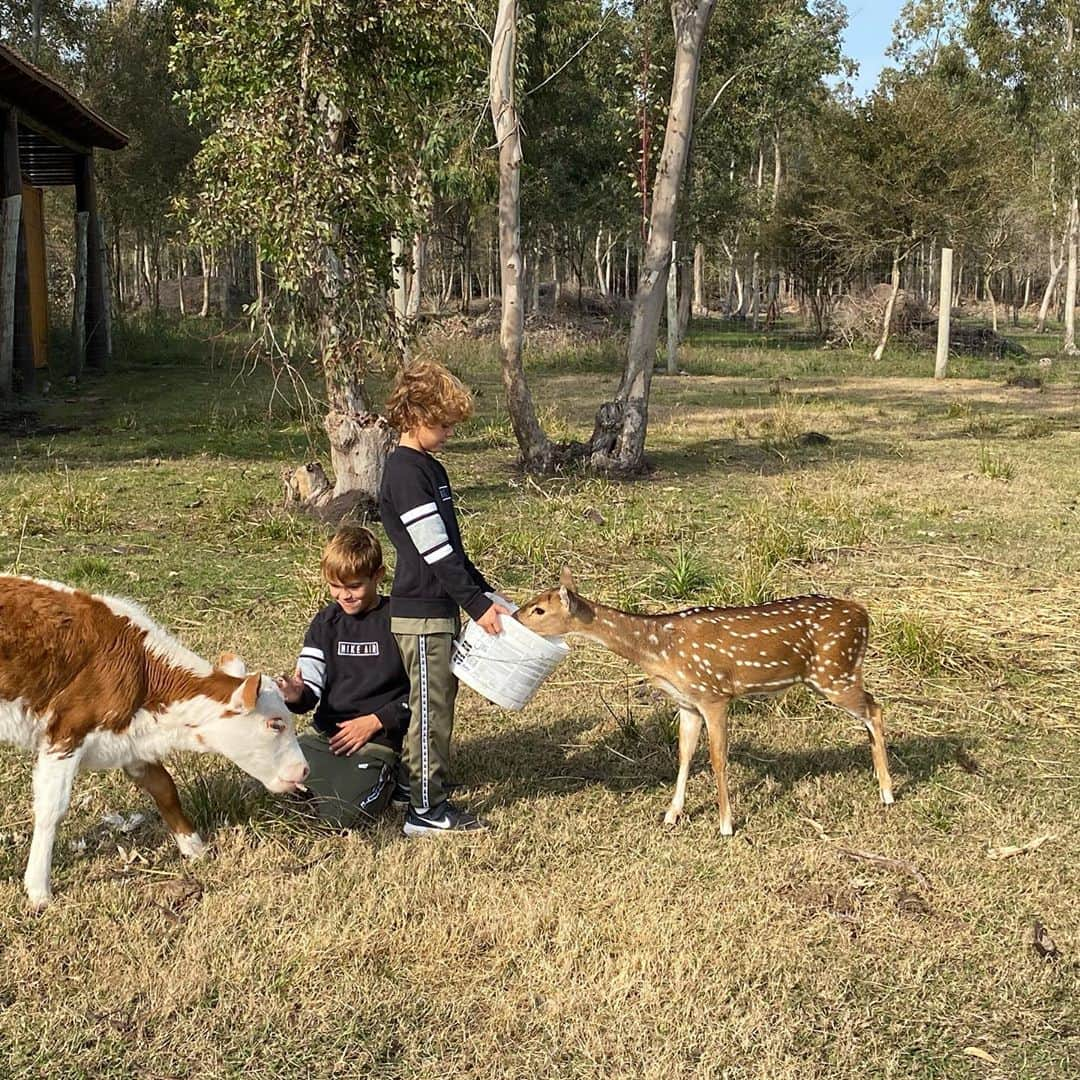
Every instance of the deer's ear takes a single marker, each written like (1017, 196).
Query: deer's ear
(565, 599)
(566, 578)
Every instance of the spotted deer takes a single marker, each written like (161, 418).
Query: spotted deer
(704, 657)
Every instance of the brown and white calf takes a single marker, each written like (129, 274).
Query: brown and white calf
(705, 656)
(91, 682)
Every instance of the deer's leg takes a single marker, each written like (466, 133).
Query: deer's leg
(689, 729)
(158, 784)
(54, 775)
(856, 701)
(716, 716)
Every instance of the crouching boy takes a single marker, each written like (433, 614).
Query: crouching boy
(350, 672)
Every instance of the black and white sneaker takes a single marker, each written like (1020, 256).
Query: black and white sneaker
(401, 797)
(445, 818)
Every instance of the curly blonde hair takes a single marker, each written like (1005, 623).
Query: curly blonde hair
(426, 394)
(351, 554)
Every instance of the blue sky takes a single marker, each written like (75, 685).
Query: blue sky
(868, 34)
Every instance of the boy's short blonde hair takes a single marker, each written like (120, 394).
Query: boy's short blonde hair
(426, 394)
(352, 553)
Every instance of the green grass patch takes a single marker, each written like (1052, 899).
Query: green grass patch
(580, 938)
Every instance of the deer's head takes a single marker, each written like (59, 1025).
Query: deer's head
(557, 611)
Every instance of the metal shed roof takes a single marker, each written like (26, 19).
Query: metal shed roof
(52, 111)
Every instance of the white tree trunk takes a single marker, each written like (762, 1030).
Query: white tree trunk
(534, 280)
(993, 302)
(536, 450)
(180, 282)
(412, 306)
(889, 305)
(397, 261)
(618, 441)
(360, 442)
(1069, 344)
(673, 313)
(700, 308)
(204, 311)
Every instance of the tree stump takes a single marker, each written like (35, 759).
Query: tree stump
(359, 447)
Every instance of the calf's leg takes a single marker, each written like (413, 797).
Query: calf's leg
(158, 784)
(54, 774)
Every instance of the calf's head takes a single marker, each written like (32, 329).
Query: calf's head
(255, 730)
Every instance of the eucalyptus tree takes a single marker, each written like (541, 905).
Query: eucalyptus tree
(536, 448)
(577, 96)
(918, 160)
(321, 118)
(618, 442)
(126, 74)
(49, 33)
(1031, 46)
(765, 81)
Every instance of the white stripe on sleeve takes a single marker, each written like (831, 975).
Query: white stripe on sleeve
(313, 672)
(428, 533)
(417, 512)
(438, 554)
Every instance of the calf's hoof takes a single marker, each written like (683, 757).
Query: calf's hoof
(672, 818)
(887, 798)
(37, 900)
(191, 845)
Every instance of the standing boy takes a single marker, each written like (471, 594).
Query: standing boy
(432, 579)
(351, 672)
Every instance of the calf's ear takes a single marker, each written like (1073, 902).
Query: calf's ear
(246, 694)
(566, 579)
(231, 664)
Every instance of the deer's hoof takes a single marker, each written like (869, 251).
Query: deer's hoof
(726, 828)
(672, 818)
(887, 798)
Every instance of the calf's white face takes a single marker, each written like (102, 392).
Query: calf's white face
(255, 731)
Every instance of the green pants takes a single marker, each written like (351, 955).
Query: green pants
(352, 789)
(432, 690)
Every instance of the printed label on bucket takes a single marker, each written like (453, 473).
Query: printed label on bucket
(506, 668)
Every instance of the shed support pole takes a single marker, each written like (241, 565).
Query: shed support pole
(97, 333)
(10, 217)
(78, 307)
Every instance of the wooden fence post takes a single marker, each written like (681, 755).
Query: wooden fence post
(944, 312)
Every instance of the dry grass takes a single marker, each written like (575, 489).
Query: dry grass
(580, 939)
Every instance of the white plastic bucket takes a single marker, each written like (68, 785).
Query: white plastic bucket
(506, 668)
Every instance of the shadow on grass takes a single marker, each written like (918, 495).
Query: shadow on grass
(704, 457)
(547, 760)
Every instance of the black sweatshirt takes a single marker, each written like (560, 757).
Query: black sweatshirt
(434, 576)
(351, 666)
